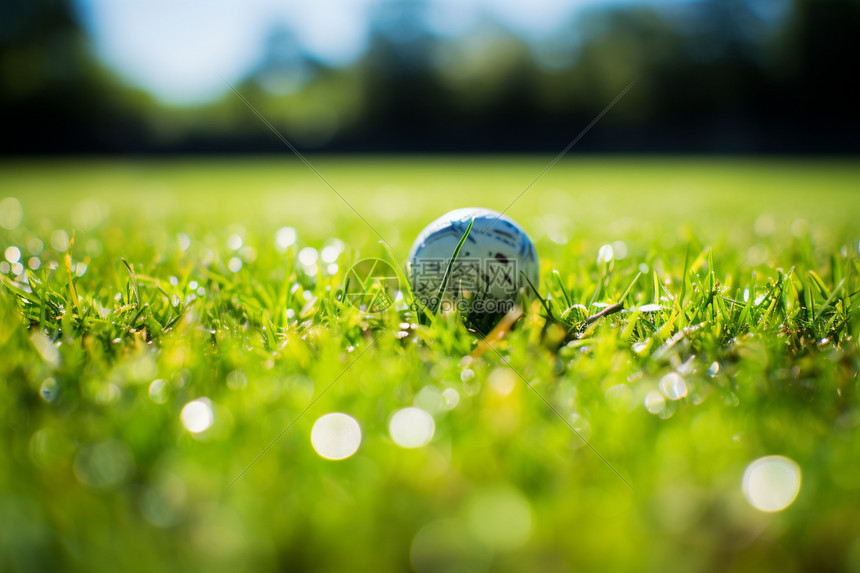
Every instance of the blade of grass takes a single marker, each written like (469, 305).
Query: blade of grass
(540, 298)
(438, 302)
(133, 280)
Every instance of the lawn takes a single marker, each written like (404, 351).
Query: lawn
(172, 330)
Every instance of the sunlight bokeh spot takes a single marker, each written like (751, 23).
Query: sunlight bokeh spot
(448, 545)
(581, 427)
(35, 246)
(285, 238)
(103, 465)
(13, 254)
(429, 399)
(771, 483)
(502, 381)
(163, 504)
(60, 240)
(619, 250)
(450, 398)
(411, 428)
(330, 253)
(620, 398)
(605, 254)
(158, 391)
(197, 415)
(308, 256)
(234, 242)
(655, 402)
(500, 516)
(336, 436)
(11, 213)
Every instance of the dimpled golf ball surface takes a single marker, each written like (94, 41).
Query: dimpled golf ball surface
(496, 251)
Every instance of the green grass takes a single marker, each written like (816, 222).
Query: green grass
(748, 272)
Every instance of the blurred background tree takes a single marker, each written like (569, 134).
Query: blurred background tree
(730, 76)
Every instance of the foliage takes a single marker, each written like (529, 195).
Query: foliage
(192, 283)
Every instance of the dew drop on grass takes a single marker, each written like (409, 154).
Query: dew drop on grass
(673, 386)
(467, 375)
(50, 389)
(655, 402)
(605, 254)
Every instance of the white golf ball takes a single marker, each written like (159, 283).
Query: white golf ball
(488, 271)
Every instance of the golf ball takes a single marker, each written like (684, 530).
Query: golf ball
(487, 273)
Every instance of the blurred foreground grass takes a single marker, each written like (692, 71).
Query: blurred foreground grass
(128, 409)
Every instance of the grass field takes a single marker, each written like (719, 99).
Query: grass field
(160, 417)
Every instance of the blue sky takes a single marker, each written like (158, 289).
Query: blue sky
(181, 51)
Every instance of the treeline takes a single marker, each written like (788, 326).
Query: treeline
(711, 76)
